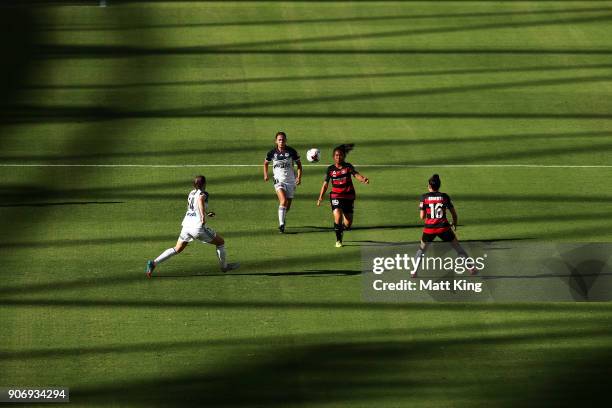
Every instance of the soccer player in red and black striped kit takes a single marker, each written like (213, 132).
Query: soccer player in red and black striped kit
(432, 210)
(342, 195)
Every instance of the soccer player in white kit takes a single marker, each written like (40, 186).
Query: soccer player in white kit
(283, 158)
(194, 227)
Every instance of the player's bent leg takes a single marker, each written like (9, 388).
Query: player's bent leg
(167, 254)
(458, 248)
(420, 253)
(180, 246)
(217, 240)
(347, 220)
(463, 254)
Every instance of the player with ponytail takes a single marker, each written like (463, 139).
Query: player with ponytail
(194, 227)
(342, 195)
(432, 210)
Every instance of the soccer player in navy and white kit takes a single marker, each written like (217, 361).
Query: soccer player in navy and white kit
(194, 227)
(432, 210)
(283, 159)
(342, 195)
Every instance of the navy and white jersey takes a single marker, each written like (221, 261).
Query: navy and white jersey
(193, 216)
(282, 164)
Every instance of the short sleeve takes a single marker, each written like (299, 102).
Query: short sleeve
(422, 203)
(449, 203)
(295, 155)
(270, 155)
(327, 176)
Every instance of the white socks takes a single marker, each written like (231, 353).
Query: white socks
(282, 211)
(221, 256)
(168, 253)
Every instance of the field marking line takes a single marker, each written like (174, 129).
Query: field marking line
(536, 166)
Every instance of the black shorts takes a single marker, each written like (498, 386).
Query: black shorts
(446, 236)
(344, 204)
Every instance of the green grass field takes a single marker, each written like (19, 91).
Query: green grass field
(510, 102)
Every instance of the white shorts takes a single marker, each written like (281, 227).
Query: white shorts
(288, 187)
(204, 234)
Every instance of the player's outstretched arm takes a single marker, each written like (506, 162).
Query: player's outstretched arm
(362, 178)
(322, 193)
(265, 170)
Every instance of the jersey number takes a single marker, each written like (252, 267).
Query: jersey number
(191, 203)
(436, 210)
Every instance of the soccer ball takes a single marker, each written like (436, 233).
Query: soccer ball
(313, 155)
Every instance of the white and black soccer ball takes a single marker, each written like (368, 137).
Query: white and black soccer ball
(313, 155)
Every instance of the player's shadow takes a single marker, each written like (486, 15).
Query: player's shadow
(308, 273)
(369, 242)
(317, 228)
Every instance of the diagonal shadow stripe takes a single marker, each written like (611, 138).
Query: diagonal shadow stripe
(433, 140)
(399, 74)
(328, 20)
(322, 337)
(411, 32)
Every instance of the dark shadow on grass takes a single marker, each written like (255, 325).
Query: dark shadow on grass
(63, 114)
(552, 323)
(315, 228)
(351, 372)
(157, 303)
(21, 193)
(60, 203)
(101, 51)
(462, 71)
(308, 273)
(53, 51)
(261, 147)
(368, 242)
(372, 96)
(364, 36)
(269, 22)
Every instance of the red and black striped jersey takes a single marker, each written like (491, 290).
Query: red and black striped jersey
(435, 205)
(341, 181)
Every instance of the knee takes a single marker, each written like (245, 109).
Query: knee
(178, 249)
(283, 202)
(220, 241)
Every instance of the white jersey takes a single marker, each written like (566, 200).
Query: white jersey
(282, 164)
(193, 216)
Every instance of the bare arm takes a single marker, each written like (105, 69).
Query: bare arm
(202, 208)
(265, 170)
(362, 179)
(322, 193)
(299, 173)
(455, 218)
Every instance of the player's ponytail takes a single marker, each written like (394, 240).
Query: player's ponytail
(435, 182)
(344, 148)
(199, 182)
